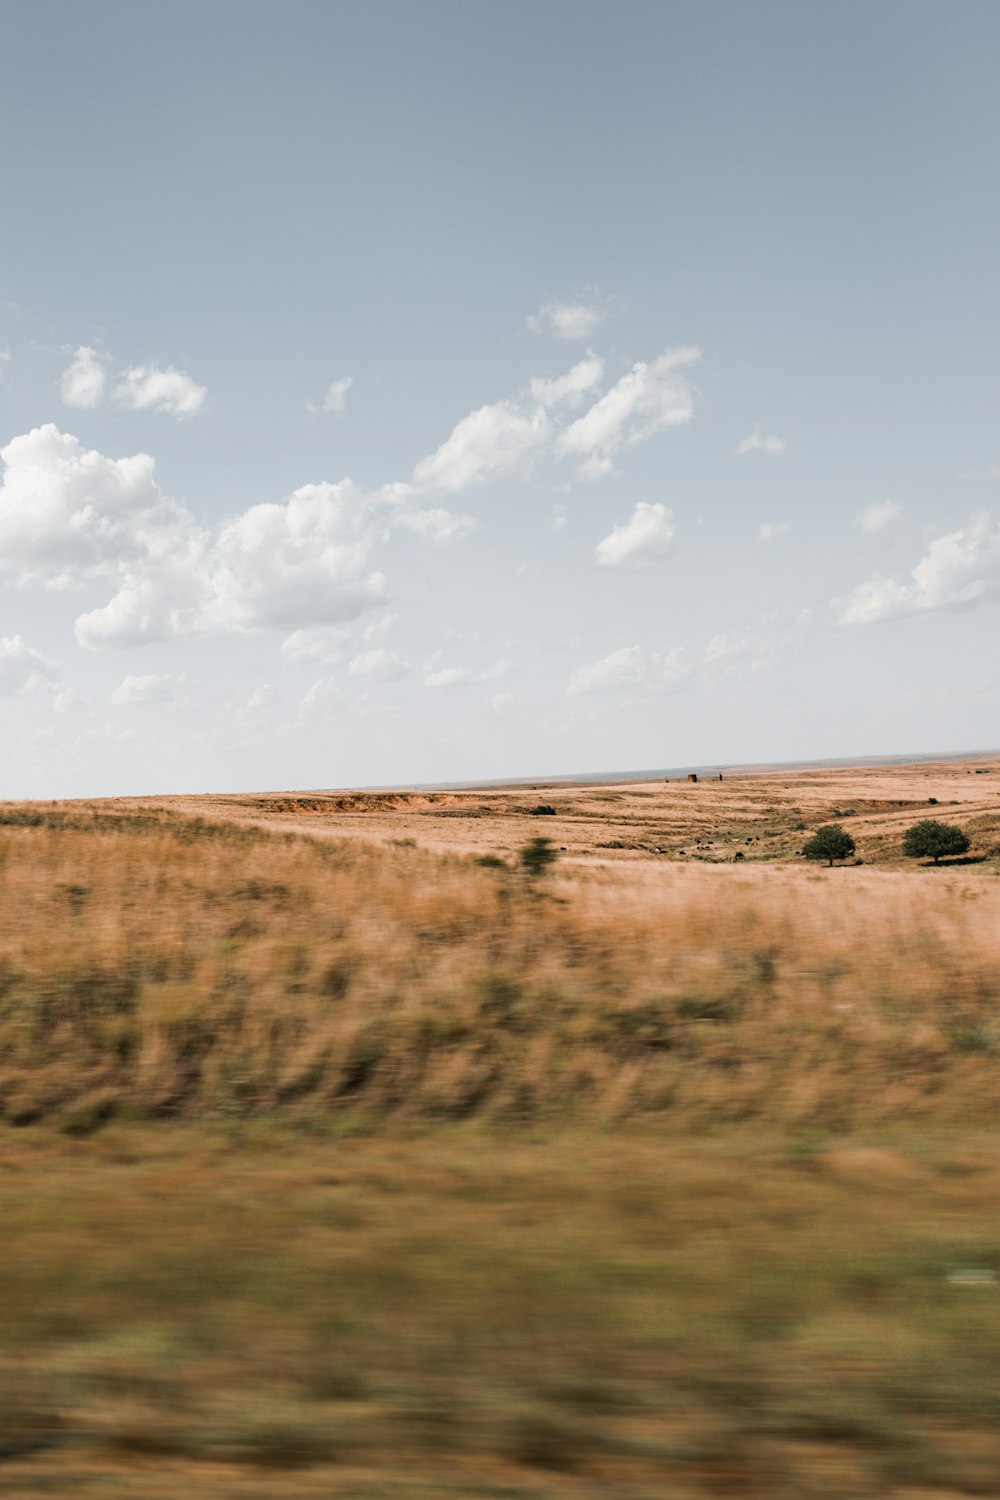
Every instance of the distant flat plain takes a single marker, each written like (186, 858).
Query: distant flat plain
(765, 814)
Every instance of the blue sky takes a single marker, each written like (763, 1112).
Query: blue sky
(425, 391)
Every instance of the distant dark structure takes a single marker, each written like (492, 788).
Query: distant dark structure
(692, 776)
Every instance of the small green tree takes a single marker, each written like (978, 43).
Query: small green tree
(829, 843)
(537, 855)
(930, 839)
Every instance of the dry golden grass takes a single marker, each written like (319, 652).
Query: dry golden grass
(157, 965)
(332, 1165)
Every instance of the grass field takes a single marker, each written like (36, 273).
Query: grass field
(335, 1163)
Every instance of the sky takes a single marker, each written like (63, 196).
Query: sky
(403, 391)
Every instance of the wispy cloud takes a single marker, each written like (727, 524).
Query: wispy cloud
(20, 666)
(758, 442)
(647, 536)
(650, 397)
(630, 667)
(335, 399)
(149, 388)
(567, 320)
(767, 531)
(878, 516)
(959, 570)
(145, 688)
(83, 382)
(380, 663)
(449, 677)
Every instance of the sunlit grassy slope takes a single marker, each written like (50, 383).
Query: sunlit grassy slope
(158, 966)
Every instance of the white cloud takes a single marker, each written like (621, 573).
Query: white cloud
(567, 320)
(758, 443)
(630, 667)
(82, 382)
(148, 388)
(560, 517)
(571, 387)
(989, 471)
(768, 530)
(509, 436)
(320, 697)
(384, 665)
(648, 535)
(65, 700)
(958, 571)
(299, 562)
(878, 516)
(595, 468)
(67, 512)
(20, 666)
(446, 677)
(323, 645)
(728, 650)
(261, 696)
(69, 515)
(379, 629)
(335, 398)
(436, 525)
(497, 439)
(148, 688)
(647, 399)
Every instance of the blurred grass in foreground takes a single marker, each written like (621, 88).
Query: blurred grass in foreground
(246, 1312)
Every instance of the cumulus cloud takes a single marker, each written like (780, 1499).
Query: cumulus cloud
(567, 320)
(83, 381)
(648, 535)
(768, 530)
(297, 562)
(148, 388)
(630, 667)
(384, 665)
(959, 570)
(560, 517)
(496, 439)
(877, 517)
(572, 387)
(147, 688)
(335, 398)
(650, 397)
(21, 667)
(70, 515)
(757, 442)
